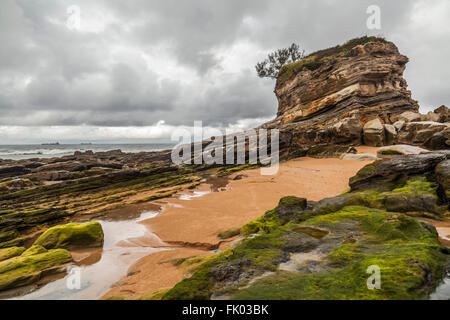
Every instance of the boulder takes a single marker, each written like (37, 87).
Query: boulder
(390, 134)
(289, 206)
(72, 235)
(399, 125)
(382, 172)
(24, 270)
(399, 150)
(419, 133)
(434, 117)
(359, 157)
(373, 133)
(347, 130)
(444, 112)
(410, 116)
(439, 140)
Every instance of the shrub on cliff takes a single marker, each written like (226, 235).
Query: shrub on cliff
(270, 67)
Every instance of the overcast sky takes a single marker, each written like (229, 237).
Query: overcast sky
(137, 69)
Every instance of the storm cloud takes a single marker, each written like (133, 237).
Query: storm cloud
(132, 64)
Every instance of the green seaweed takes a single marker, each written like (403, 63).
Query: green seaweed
(72, 235)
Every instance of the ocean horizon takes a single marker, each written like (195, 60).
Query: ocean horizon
(30, 151)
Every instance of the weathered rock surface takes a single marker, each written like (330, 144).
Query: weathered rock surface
(359, 157)
(419, 133)
(364, 75)
(400, 150)
(353, 94)
(409, 116)
(27, 269)
(374, 133)
(395, 169)
(329, 96)
(390, 134)
(72, 235)
(439, 140)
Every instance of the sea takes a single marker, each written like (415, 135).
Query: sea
(19, 152)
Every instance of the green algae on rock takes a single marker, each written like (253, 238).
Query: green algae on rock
(33, 250)
(11, 252)
(407, 252)
(370, 225)
(24, 270)
(72, 235)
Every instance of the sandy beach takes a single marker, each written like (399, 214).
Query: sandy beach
(191, 226)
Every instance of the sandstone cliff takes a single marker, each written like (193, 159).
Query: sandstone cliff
(350, 94)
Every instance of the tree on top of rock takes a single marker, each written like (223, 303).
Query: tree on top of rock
(270, 67)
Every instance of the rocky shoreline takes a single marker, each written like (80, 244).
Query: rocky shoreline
(330, 103)
(329, 244)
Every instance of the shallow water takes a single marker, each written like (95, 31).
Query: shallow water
(98, 268)
(126, 241)
(442, 292)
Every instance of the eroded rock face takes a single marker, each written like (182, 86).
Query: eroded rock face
(374, 133)
(330, 96)
(353, 94)
(395, 169)
(419, 133)
(368, 77)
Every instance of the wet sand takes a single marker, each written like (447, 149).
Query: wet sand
(191, 222)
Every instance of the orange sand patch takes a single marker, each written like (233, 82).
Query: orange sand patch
(153, 273)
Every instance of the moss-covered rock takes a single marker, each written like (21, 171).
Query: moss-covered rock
(8, 253)
(10, 239)
(72, 235)
(24, 270)
(396, 170)
(348, 241)
(229, 233)
(288, 208)
(33, 250)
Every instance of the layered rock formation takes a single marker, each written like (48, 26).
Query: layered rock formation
(353, 94)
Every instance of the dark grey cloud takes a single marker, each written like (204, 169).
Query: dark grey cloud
(136, 62)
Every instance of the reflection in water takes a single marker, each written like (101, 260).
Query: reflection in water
(126, 241)
(216, 184)
(442, 292)
(194, 194)
(100, 268)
